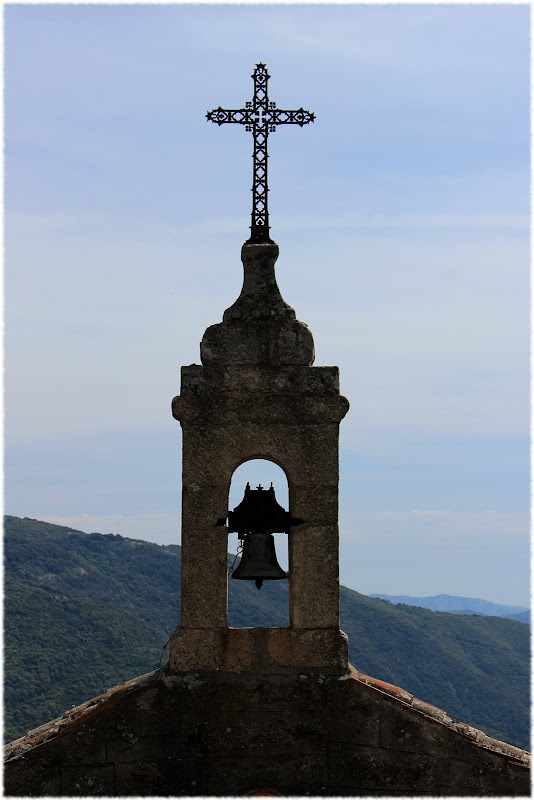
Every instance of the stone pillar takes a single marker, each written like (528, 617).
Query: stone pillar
(256, 395)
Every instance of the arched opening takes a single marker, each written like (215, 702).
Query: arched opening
(249, 607)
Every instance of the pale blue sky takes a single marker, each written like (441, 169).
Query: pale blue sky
(402, 216)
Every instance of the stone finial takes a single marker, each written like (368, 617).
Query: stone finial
(260, 328)
(260, 296)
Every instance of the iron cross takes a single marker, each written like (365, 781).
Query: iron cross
(260, 116)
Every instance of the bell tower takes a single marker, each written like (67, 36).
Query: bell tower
(257, 395)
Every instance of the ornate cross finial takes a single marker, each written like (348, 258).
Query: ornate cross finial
(261, 117)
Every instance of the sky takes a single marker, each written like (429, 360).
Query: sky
(402, 217)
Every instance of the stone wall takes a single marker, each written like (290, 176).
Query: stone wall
(194, 734)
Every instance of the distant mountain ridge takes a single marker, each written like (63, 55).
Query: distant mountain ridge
(459, 605)
(523, 616)
(84, 612)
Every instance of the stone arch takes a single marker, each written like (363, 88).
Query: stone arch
(264, 453)
(255, 461)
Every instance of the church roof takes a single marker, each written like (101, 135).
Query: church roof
(75, 716)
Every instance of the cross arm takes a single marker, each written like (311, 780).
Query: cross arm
(243, 116)
(279, 116)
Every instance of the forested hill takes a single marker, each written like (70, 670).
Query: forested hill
(84, 612)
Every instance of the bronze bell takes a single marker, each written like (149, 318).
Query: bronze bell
(255, 519)
(258, 560)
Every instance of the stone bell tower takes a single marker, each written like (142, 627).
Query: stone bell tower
(257, 395)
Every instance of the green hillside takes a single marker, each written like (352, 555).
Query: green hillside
(84, 612)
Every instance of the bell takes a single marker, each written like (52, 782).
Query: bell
(258, 561)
